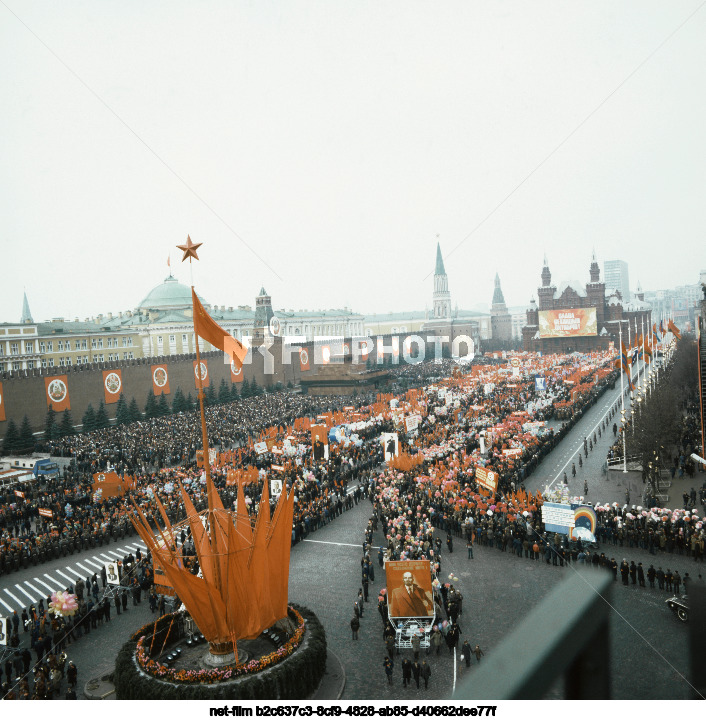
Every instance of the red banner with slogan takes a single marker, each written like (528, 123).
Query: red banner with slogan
(112, 385)
(236, 374)
(304, 359)
(487, 479)
(2, 404)
(205, 378)
(160, 380)
(46, 512)
(57, 389)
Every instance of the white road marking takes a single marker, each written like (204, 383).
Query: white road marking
(93, 563)
(68, 578)
(9, 608)
(35, 589)
(45, 585)
(332, 543)
(14, 598)
(88, 570)
(19, 588)
(53, 580)
(453, 690)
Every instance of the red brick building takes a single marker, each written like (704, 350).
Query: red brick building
(574, 317)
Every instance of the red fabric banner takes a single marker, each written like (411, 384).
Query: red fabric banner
(205, 377)
(57, 389)
(304, 359)
(160, 380)
(236, 374)
(112, 385)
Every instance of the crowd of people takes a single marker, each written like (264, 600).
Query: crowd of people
(485, 419)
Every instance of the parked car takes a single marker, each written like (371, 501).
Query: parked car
(680, 605)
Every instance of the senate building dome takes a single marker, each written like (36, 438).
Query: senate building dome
(169, 295)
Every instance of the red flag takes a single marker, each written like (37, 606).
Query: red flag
(57, 389)
(112, 385)
(2, 405)
(674, 329)
(160, 380)
(304, 359)
(236, 374)
(207, 328)
(205, 378)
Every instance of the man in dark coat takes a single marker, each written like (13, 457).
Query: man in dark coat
(406, 672)
(651, 573)
(355, 627)
(416, 671)
(466, 653)
(640, 574)
(425, 673)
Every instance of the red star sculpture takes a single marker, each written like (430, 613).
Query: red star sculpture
(189, 249)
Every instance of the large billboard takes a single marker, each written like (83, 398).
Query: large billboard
(409, 593)
(567, 322)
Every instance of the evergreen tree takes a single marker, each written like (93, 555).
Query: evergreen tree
(49, 423)
(55, 432)
(12, 439)
(189, 402)
(151, 409)
(89, 420)
(234, 395)
(178, 402)
(134, 411)
(255, 389)
(210, 396)
(223, 392)
(163, 406)
(66, 427)
(26, 443)
(245, 390)
(122, 414)
(101, 417)
(290, 385)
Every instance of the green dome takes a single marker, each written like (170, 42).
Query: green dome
(169, 295)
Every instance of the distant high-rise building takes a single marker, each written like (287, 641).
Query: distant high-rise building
(615, 275)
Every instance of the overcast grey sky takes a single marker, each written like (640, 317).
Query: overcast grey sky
(337, 139)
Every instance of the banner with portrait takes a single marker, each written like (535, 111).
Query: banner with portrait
(160, 380)
(112, 385)
(57, 388)
(409, 589)
(390, 445)
(319, 442)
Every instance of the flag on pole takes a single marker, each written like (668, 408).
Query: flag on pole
(674, 329)
(207, 328)
(625, 366)
(654, 333)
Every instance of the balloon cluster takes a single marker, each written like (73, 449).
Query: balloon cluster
(63, 604)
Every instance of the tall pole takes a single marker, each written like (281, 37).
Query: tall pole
(622, 399)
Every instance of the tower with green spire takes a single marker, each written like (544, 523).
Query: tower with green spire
(441, 296)
(26, 314)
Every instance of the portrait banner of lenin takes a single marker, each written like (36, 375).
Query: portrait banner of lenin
(409, 591)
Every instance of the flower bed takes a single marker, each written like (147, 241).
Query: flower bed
(292, 671)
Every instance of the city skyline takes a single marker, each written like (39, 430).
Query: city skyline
(327, 170)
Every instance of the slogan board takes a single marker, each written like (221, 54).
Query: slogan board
(487, 479)
(567, 322)
(558, 517)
